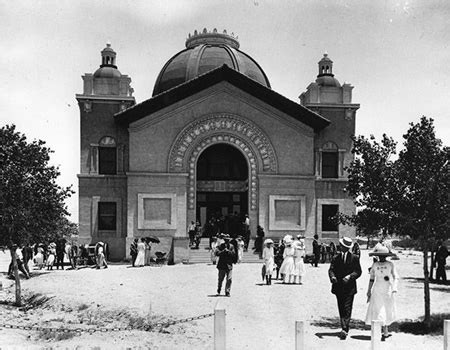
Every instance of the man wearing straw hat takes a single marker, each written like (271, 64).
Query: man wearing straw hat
(344, 270)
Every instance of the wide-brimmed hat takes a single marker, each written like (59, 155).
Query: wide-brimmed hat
(100, 243)
(268, 241)
(381, 250)
(52, 244)
(225, 236)
(300, 237)
(287, 238)
(346, 242)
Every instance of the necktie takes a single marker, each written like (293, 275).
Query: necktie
(344, 257)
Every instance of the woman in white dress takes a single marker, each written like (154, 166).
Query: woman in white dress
(269, 261)
(299, 265)
(39, 257)
(140, 258)
(51, 255)
(382, 289)
(287, 267)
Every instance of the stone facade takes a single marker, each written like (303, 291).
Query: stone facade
(156, 146)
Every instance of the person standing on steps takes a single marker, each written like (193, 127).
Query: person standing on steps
(227, 256)
(344, 270)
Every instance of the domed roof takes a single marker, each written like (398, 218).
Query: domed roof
(204, 52)
(107, 72)
(108, 68)
(326, 76)
(328, 80)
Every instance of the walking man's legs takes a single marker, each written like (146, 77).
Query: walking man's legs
(345, 305)
(228, 283)
(222, 274)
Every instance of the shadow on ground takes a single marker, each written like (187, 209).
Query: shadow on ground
(415, 327)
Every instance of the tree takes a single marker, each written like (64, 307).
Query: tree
(407, 196)
(423, 178)
(371, 185)
(32, 204)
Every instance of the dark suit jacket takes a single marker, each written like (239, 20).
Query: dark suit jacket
(339, 270)
(227, 256)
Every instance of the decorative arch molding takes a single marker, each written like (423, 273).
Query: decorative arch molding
(230, 139)
(229, 124)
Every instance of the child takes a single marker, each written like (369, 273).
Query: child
(269, 261)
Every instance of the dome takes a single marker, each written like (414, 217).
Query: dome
(107, 72)
(204, 52)
(328, 80)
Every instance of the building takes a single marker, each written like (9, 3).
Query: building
(214, 139)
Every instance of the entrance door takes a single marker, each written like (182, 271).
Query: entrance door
(222, 190)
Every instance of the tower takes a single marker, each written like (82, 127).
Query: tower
(103, 156)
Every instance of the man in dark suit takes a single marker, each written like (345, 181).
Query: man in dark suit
(344, 270)
(227, 257)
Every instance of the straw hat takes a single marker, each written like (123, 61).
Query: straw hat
(268, 241)
(346, 242)
(381, 250)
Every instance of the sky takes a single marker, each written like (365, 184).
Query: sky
(395, 53)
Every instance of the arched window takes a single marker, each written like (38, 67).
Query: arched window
(330, 161)
(107, 156)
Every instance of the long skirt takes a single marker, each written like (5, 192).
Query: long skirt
(287, 267)
(299, 267)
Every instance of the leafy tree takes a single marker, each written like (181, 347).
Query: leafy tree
(407, 196)
(32, 204)
(423, 178)
(371, 185)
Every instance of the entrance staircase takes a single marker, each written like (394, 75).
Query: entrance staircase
(202, 255)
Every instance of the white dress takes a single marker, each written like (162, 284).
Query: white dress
(140, 259)
(287, 267)
(382, 300)
(269, 261)
(299, 265)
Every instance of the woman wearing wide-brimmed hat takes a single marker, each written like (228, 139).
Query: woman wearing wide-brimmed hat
(382, 288)
(269, 261)
(287, 267)
(299, 255)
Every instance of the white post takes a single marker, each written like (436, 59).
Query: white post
(219, 328)
(299, 335)
(446, 334)
(375, 336)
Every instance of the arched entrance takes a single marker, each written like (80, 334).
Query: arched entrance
(222, 189)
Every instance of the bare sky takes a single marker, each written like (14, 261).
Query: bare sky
(395, 53)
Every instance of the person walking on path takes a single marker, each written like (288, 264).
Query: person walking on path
(440, 258)
(133, 251)
(316, 250)
(140, 258)
(19, 262)
(51, 255)
(287, 267)
(299, 265)
(226, 258)
(269, 261)
(344, 270)
(100, 258)
(382, 288)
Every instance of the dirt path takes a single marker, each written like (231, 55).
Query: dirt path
(258, 316)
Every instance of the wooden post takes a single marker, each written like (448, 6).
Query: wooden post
(375, 336)
(219, 328)
(299, 335)
(446, 334)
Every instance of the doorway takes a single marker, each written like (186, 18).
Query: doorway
(222, 190)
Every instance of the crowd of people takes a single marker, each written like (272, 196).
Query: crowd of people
(57, 255)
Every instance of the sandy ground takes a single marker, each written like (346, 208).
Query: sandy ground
(257, 316)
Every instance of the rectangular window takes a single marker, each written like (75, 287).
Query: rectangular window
(107, 216)
(328, 212)
(107, 160)
(329, 165)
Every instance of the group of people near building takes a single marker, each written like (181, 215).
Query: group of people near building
(140, 250)
(57, 254)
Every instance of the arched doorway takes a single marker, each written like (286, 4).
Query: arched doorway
(222, 189)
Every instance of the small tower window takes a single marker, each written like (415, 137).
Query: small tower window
(107, 156)
(330, 161)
